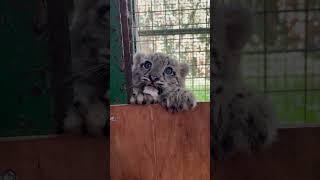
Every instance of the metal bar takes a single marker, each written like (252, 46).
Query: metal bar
(170, 26)
(175, 39)
(306, 59)
(152, 20)
(179, 17)
(291, 90)
(173, 32)
(286, 11)
(293, 75)
(126, 45)
(140, 12)
(282, 51)
(265, 46)
(255, 12)
(132, 25)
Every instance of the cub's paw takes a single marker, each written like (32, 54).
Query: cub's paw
(72, 124)
(259, 133)
(141, 98)
(96, 119)
(178, 100)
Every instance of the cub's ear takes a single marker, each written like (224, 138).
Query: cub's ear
(184, 69)
(137, 58)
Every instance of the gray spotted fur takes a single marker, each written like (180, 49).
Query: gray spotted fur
(90, 57)
(243, 120)
(172, 93)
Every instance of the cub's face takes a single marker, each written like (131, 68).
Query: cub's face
(89, 36)
(88, 27)
(94, 13)
(157, 70)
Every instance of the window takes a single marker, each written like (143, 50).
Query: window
(282, 58)
(179, 28)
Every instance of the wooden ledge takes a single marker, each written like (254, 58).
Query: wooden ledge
(148, 143)
(294, 156)
(56, 158)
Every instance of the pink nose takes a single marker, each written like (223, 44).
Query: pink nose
(153, 78)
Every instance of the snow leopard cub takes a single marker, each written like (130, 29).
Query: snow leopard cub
(89, 35)
(242, 119)
(157, 78)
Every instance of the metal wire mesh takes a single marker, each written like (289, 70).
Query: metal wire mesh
(179, 28)
(283, 57)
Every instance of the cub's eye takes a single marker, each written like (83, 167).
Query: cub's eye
(147, 65)
(168, 70)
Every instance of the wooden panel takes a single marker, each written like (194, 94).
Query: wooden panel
(22, 157)
(61, 158)
(294, 156)
(147, 143)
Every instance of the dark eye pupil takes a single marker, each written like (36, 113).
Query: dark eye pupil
(168, 70)
(147, 65)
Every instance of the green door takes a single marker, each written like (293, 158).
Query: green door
(26, 101)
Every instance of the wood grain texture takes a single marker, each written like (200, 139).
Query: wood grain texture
(60, 158)
(294, 156)
(149, 143)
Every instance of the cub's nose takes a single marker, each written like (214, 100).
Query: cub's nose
(153, 78)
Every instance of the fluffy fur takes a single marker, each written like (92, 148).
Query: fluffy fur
(164, 74)
(89, 40)
(242, 120)
(89, 36)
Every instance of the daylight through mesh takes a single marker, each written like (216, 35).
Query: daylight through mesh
(179, 28)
